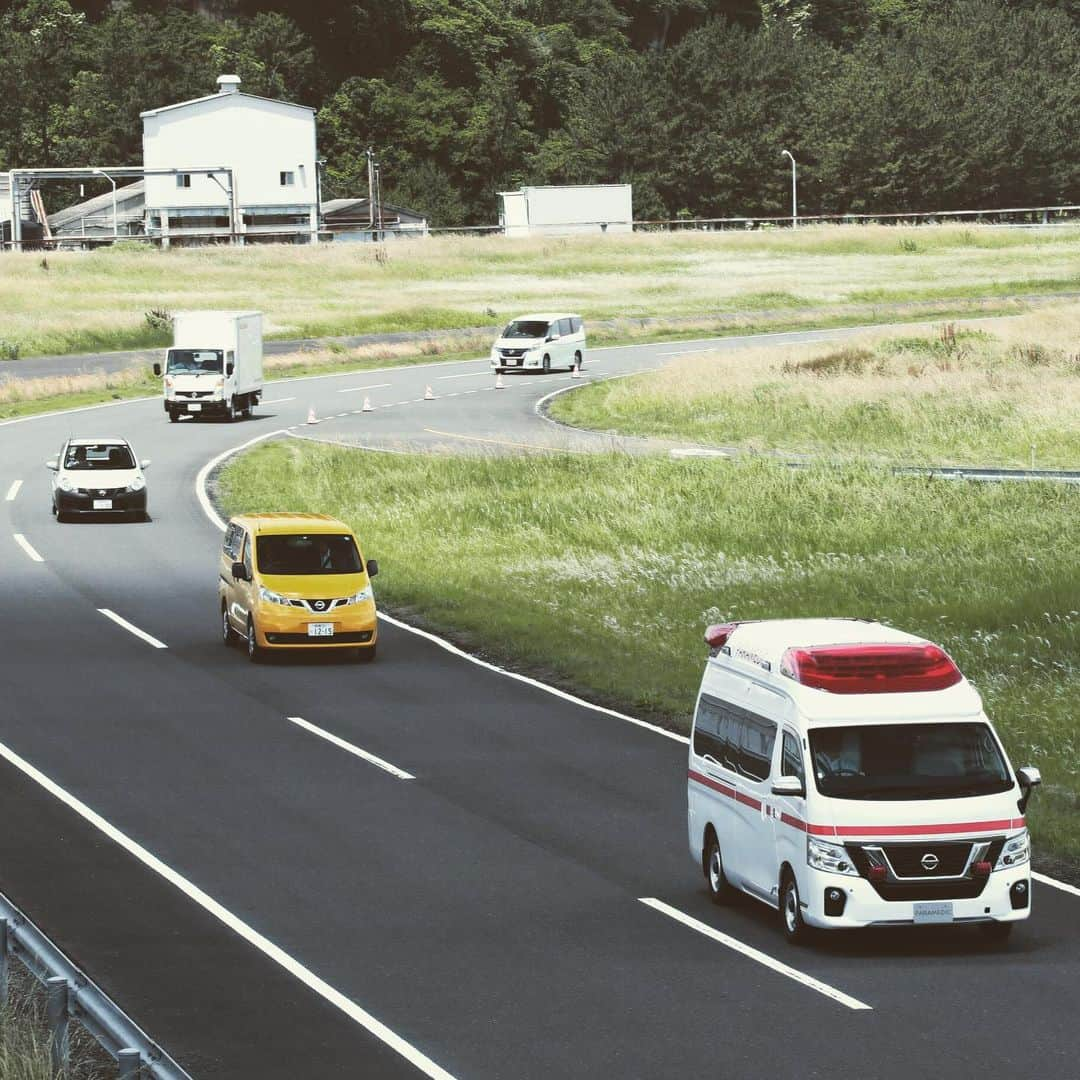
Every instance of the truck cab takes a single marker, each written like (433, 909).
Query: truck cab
(215, 365)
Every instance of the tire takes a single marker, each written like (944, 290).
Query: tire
(61, 517)
(791, 920)
(254, 649)
(366, 655)
(249, 405)
(547, 364)
(228, 634)
(232, 414)
(996, 933)
(173, 416)
(720, 889)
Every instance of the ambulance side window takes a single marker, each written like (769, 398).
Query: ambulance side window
(792, 760)
(707, 730)
(757, 737)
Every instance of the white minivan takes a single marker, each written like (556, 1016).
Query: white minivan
(845, 774)
(540, 343)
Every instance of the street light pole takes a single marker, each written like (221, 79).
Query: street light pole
(371, 190)
(794, 189)
(115, 229)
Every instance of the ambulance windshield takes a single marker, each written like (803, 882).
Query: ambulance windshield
(908, 761)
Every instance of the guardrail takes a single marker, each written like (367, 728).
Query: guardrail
(72, 996)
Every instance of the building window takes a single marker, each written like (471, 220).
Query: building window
(288, 179)
(183, 179)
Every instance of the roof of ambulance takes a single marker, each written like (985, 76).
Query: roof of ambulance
(769, 639)
(753, 642)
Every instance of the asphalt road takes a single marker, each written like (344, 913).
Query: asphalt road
(266, 903)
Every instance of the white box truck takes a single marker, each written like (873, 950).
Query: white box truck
(215, 365)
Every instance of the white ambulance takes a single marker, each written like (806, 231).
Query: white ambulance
(845, 774)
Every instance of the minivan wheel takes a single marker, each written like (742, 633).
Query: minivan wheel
(720, 890)
(791, 920)
(547, 364)
(254, 650)
(366, 654)
(227, 632)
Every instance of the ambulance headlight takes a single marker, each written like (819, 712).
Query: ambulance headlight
(1015, 852)
(829, 857)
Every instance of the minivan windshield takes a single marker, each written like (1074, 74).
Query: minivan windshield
(194, 361)
(315, 553)
(526, 328)
(908, 761)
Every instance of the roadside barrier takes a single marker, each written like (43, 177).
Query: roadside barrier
(72, 996)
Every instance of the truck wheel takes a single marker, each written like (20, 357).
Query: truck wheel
(233, 413)
(791, 920)
(720, 889)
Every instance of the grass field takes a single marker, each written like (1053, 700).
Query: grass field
(600, 573)
(999, 392)
(83, 302)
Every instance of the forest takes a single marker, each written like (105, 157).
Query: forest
(888, 105)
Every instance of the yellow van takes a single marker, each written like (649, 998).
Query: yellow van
(291, 581)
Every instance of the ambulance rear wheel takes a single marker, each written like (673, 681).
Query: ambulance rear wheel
(720, 890)
(791, 920)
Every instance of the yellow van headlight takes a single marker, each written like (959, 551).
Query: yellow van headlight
(268, 596)
(364, 594)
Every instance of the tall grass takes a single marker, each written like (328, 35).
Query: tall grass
(601, 572)
(76, 302)
(1007, 393)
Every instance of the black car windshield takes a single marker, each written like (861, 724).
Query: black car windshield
(317, 553)
(193, 361)
(908, 761)
(526, 328)
(98, 456)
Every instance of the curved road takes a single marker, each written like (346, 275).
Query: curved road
(222, 847)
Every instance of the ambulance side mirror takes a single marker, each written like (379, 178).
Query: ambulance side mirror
(1029, 779)
(788, 785)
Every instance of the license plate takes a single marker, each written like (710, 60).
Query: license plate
(103, 504)
(320, 629)
(934, 912)
(194, 406)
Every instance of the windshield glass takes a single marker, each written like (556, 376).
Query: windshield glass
(908, 761)
(319, 553)
(98, 456)
(526, 328)
(193, 361)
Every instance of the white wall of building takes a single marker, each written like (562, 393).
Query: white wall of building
(258, 138)
(568, 209)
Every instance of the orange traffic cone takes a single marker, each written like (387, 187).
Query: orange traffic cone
(575, 372)
(367, 405)
(499, 384)
(311, 415)
(428, 395)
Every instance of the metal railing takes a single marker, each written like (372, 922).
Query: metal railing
(72, 996)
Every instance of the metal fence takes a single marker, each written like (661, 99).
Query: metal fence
(72, 996)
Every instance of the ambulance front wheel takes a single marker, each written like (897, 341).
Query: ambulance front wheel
(791, 921)
(720, 889)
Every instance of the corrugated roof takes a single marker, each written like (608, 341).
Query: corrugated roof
(99, 204)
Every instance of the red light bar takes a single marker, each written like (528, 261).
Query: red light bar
(981, 869)
(871, 669)
(716, 635)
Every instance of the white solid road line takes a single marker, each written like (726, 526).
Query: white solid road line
(13, 490)
(373, 386)
(1062, 885)
(238, 926)
(27, 547)
(150, 640)
(755, 954)
(393, 770)
(204, 473)
(278, 400)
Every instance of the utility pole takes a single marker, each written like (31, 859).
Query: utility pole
(371, 190)
(378, 200)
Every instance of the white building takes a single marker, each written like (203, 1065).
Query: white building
(568, 209)
(252, 163)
